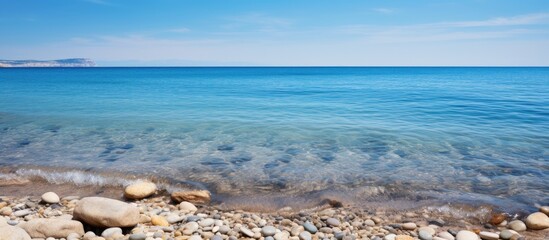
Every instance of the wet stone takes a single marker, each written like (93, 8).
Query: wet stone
(241, 159)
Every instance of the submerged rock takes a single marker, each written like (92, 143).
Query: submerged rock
(105, 212)
(194, 196)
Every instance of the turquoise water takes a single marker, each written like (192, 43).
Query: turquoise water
(468, 134)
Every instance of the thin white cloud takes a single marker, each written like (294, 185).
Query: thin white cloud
(528, 19)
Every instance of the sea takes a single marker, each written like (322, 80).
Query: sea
(472, 135)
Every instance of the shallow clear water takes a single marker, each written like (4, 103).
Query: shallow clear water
(472, 134)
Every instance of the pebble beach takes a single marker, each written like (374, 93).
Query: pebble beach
(144, 213)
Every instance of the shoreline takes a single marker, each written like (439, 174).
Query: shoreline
(385, 221)
(159, 217)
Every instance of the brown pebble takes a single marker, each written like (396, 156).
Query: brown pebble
(497, 219)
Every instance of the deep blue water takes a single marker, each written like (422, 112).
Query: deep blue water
(470, 133)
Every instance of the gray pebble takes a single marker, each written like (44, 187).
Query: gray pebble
(339, 235)
(305, 235)
(424, 235)
(216, 237)
(22, 213)
(333, 222)
(138, 236)
(310, 227)
(268, 231)
(505, 234)
(193, 218)
(12, 222)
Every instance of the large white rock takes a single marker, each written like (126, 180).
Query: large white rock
(56, 228)
(13, 233)
(50, 197)
(106, 212)
(466, 235)
(537, 221)
(139, 190)
(187, 207)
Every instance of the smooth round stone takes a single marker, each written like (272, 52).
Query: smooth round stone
(310, 227)
(216, 237)
(466, 235)
(139, 190)
(489, 236)
(425, 235)
(138, 236)
(333, 222)
(247, 232)
(446, 235)
(305, 235)
(195, 237)
(206, 222)
(506, 234)
(267, 238)
(50, 197)
(187, 207)
(536, 221)
(429, 230)
(409, 226)
(224, 229)
(159, 221)
(369, 223)
(111, 231)
(391, 236)
(517, 225)
(12, 222)
(268, 231)
(193, 218)
(73, 236)
(22, 213)
(339, 235)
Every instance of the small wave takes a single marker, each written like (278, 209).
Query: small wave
(77, 178)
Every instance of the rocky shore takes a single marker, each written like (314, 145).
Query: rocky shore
(146, 214)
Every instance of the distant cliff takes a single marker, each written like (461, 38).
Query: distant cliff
(72, 62)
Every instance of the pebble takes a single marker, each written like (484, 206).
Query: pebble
(403, 237)
(268, 231)
(517, 225)
(139, 190)
(110, 232)
(369, 222)
(73, 236)
(224, 229)
(425, 235)
(174, 218)
(537, 221)
(431, 231)
(305, 235)
(206, 222)
(506, 234)
(12, 222)
(138, 236)
(310, 227)
(247, 232)
(22, 213)
(195, 237)
(333, 222)
(187, 207)
(446, 235)
(409, 226)
(6, 211)
(466, 235)
(391, 236)
(497, 219)
(544, 209)
(50, 197)
(159, 221)
(216, 237)
(489, 236)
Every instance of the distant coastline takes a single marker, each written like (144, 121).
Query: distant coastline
(71, 62)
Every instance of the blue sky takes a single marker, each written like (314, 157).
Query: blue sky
(283, 32)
